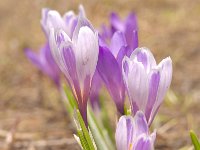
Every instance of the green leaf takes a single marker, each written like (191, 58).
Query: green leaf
(83, 141)
(69, 101)
(100, 134)
(105, 120)
(85, 137)
(195, 140)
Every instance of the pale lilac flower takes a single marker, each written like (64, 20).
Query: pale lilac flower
(44, 59)
(52, 19)
(146, 82)
(77, 58)
(44, 62)
(133, 133)
(128, 27)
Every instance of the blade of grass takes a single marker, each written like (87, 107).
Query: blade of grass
(85, 131)
(195, 140)
(101, 137)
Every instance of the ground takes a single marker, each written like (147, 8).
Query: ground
(29, 103)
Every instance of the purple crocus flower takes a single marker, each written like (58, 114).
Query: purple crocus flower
(133, 133)
(109, 68)
(95, 89)
(110, 64)
(45, 62)
(77, 57)
(128, 27)
(146, 82)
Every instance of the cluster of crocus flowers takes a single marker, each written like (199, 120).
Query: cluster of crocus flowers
(86, 59)
(146, 82)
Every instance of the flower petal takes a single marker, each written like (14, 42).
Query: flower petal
(110, 72)
(145, 56)
(43, 21)
(144, 143)
(140, 124)
(55, 21)
(95, 89)
(35, 59)
(136, 81)
(116, 23)
(71, 21)
(118, 40)
(123, 133)
(82, 22)
(131, 29)
(86, 53)
(154, 80)
(165, 69)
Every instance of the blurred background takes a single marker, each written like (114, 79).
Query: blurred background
(31, 116)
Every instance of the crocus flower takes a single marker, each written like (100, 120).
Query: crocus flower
(128, 27)
(45, 62)
(52, 18)
(109, 69)
(133, 133)
(110, 64)
(95, 89)
(76, 57)
(146, 82)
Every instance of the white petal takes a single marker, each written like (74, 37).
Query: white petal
(137, 81)
(145, 56)
(56, 47)
(86, 52)
(123, 133)
(55, 20)
(43, 20)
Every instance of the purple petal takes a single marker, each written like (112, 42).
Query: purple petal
(82, 21)
(131, 30)
(95, 89)
(109, 70)
(154, 79)
(116, 23)
(165, 69)
(144, 143)
(71, 21)
(134, 40)
(118, 40)
(35, 59)
(144, 56)
(123, 133)
(122, 52)
(49, 64)
(137, 88)
(141, 126)
(102, 42)
(105, 33)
